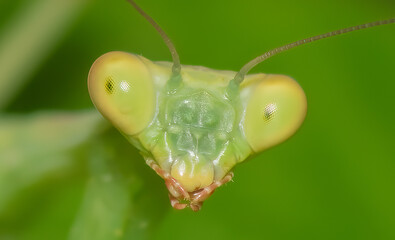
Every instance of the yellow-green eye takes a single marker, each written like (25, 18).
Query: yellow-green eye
(275, 110)
(121, 87)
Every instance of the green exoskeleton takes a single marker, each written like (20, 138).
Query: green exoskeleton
(193, 125)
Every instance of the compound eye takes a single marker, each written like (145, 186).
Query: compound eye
(121, 87)
(275, 110)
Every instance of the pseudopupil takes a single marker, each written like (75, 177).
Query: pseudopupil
(269, 111)
(109, 85)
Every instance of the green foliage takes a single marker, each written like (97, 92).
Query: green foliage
(33, 146)
(120, 200)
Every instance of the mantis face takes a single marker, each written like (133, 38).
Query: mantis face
(193, 124)
(193, 135)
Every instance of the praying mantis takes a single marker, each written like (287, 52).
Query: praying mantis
(192, 124)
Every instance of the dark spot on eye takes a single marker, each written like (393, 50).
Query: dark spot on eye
(269, 112)
(109, 85)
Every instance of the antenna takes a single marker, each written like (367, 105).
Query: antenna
(235, 82)
(176, 59)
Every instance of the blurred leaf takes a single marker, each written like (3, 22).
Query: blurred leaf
(123, 198)
(107, 200)
(29, 38)
(33, 146)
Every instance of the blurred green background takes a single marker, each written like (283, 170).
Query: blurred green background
(65, 174)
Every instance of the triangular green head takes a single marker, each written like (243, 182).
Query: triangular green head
(195, 132)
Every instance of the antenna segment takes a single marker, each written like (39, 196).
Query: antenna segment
(176, 59)
(246, 68)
